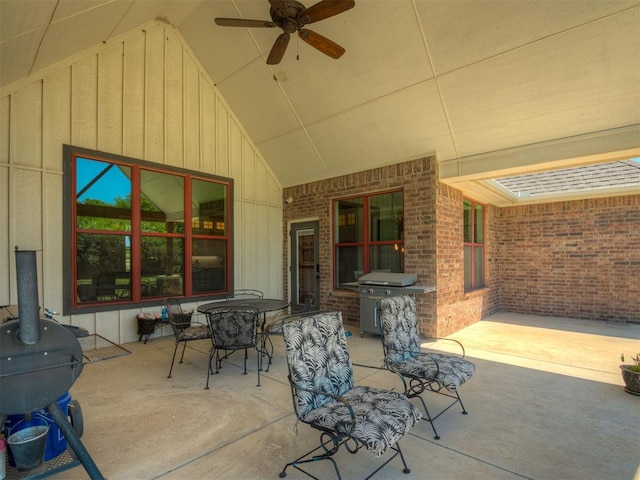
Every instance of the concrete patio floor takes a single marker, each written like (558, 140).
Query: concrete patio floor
(546, 402)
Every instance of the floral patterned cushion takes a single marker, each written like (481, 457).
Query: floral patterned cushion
(318, 360)
(383, 417)
(194, 333)
(399, 319)
(448, 370)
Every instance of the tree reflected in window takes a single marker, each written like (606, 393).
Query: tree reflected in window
(130, 238)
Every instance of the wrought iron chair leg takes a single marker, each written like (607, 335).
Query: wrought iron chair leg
(327, 455)
(184, 347)
(212, 352)
(259, 364)
(263, 349)
(464, 410)
(315, 458)
(267, 348)
(398, 451)
(246, 355)
(173, 360)
(219, 361)
(406, 469)
(429, 418)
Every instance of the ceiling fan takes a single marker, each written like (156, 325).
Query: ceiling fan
(292, 16)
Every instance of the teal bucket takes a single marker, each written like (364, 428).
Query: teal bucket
(27, 446)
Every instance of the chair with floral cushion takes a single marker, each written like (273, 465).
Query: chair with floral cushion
(325, 397)
(185, 329)
(233, 329)
(421, 371)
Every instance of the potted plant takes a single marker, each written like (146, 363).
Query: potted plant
(631, 375)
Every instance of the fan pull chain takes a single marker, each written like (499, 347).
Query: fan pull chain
(297, 48)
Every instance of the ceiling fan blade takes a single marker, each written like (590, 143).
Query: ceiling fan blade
(325, 9)
(321, 43)
(278, 49)
(243, 22)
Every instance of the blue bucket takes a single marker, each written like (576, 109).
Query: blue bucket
(55, 443)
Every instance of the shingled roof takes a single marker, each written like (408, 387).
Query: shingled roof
(591, 177)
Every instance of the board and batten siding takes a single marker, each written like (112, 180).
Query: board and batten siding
(142, 95)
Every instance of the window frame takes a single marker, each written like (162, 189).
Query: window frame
(69, 283)
(474, 244)
(366, 243)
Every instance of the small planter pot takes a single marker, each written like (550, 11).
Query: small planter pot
(631, 380)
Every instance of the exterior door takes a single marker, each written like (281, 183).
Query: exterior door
(305, 266)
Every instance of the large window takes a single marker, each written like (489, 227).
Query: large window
(139, 232)
(473, 245)
(368, 235)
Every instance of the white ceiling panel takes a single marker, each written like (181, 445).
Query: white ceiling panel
(548, 90)
(295, 145)
(255, 97)
(17, 56)
(406, 125)
(222, 51)
(139, 13)
(461, 33)
(19, 17)
(79, 31)
(69, 8)
(178, 10)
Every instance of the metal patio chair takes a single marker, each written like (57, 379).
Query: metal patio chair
(275, 325)
(185, 328)
(421, 371)
(325, 397)
(245, 293)
(233, 329)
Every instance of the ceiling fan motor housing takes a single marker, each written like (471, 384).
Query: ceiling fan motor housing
(289, 17)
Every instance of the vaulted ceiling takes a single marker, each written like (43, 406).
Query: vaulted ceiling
(493, 88)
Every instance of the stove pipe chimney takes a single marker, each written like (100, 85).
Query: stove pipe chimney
(28, 308)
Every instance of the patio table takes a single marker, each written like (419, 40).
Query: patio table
(263, 305)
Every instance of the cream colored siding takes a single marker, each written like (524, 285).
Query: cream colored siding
(134, 91)
(221, 138)
(142, 95)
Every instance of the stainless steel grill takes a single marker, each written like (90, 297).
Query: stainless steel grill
(376, 285)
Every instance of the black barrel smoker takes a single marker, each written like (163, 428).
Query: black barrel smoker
(39, 361)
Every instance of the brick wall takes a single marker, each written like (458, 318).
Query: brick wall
(578, 259)
(313, 200)
(455, 308)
